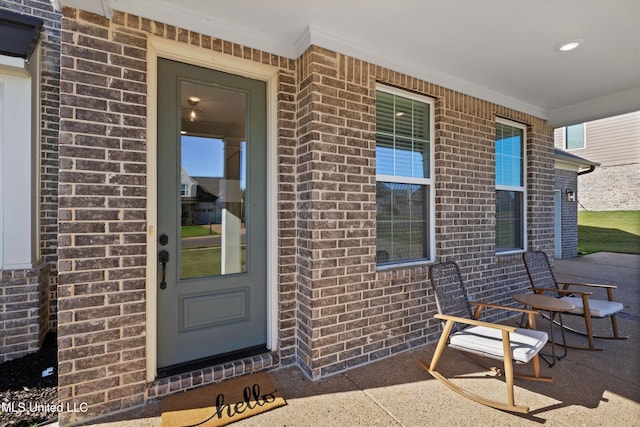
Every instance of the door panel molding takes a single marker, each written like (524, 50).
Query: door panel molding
(225, 313)
(158, 47)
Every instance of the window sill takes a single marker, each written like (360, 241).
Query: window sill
(511, 252)
(408, 264)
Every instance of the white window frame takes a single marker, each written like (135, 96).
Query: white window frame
(19, 162)
(584, 137)
(522, 188)
(429, 182)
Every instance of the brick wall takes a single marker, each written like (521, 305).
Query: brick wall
(37, 286)
(50, 119)
(24, 311)
(569, 211)
(336, 310)
(350, 314)
(610, 188)
(102, 219)
(336, 213)
(540, 185)
(50, 101)
(287, 226)
(102, 214)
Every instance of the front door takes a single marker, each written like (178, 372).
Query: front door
(211, 214)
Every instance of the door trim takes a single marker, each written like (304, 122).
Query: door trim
(158, 47)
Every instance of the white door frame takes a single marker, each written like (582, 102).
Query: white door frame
(158, 47)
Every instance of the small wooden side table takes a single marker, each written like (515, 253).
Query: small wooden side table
(554, 306)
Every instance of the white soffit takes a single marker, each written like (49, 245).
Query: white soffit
(501, 51)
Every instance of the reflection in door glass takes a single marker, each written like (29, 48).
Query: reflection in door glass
(213, 181)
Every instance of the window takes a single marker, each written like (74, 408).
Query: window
(574, 137)
(19, 157)
(510, 187)
(19, 140)
(404, 206)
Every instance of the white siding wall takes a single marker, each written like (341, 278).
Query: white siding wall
(611, 141)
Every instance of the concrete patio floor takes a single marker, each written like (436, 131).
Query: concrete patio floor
(589, 388)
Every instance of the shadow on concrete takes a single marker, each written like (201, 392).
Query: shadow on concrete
(588, 388)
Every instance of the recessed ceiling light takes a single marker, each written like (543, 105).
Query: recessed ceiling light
(569, 45)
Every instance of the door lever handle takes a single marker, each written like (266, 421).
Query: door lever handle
(163, 258)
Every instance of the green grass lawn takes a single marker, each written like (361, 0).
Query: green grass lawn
(609, 231)
(196, 231)
(203, 262)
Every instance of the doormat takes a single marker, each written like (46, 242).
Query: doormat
(223, 403)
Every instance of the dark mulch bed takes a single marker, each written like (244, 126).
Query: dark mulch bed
(27, 398)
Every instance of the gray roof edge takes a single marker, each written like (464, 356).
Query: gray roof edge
(559, 154)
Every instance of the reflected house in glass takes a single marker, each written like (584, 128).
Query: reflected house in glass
(201, 200)
(399, 235)
(188, 197)
(210, 200)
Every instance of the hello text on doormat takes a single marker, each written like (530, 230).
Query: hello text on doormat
(221, 404)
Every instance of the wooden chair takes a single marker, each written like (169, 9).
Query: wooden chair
(466, 333)
(543, 280)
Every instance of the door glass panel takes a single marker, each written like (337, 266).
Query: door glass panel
(213, 181)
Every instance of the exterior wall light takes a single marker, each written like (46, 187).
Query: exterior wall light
(571, 196)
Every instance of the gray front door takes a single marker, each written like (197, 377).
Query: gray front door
(211, 213)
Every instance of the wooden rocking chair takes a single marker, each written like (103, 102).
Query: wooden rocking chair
(466, 333)
(543, 280)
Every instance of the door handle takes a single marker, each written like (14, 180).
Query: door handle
(163, 258)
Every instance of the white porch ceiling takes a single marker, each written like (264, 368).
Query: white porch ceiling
(498, 50)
